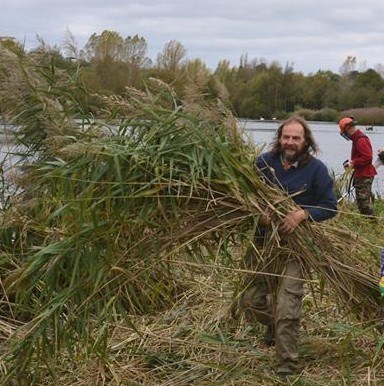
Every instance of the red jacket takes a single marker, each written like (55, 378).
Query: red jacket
(362, 155)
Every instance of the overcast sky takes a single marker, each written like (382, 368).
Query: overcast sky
(309, 34)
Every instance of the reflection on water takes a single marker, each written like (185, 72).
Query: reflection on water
(334, 149)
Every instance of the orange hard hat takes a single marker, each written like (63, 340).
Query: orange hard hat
(346, 123)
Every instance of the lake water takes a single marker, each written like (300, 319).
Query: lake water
(334, 149)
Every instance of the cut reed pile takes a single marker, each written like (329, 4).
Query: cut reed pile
(138, 213)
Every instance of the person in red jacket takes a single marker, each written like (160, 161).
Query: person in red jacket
(361, 161)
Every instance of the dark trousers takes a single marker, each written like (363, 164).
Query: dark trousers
(364, 196)
(275, 301)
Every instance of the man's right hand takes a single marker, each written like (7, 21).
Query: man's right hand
(292, 220)
(266, 218)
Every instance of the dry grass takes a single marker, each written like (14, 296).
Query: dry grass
(366, 116)
(193, 343)
(120, 260)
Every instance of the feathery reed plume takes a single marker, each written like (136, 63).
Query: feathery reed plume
(123, 225)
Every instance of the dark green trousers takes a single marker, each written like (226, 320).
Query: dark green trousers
(364, 196)
(276, 301)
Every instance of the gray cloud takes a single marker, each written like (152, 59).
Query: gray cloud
(311, 35)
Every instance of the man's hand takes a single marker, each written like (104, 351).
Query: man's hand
(292, 220)
(266, 218)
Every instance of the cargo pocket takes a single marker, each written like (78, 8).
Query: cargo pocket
(289, 305)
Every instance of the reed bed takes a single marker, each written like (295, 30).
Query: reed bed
(121, 257)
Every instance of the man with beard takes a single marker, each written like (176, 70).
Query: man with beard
(274, 299)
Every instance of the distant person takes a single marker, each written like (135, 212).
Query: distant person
(361, 161)
(380, 158)
(290, 166)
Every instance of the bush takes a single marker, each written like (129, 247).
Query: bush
(326, 114)
(366, 116)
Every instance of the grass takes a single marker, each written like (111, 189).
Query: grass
(190, 343)
(121, 251)
(193, 340)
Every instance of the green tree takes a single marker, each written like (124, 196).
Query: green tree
(106, 47)
(115, 62)
(171, 58)
(135, 56)
(370, 79)
(105, 54)
(316, 90)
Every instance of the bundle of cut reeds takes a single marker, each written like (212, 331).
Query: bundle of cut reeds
(110, 225)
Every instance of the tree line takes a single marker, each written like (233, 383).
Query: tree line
(110, 63)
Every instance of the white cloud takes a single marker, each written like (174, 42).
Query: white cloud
(312, 35)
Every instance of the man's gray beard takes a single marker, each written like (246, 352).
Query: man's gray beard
(292, 158)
